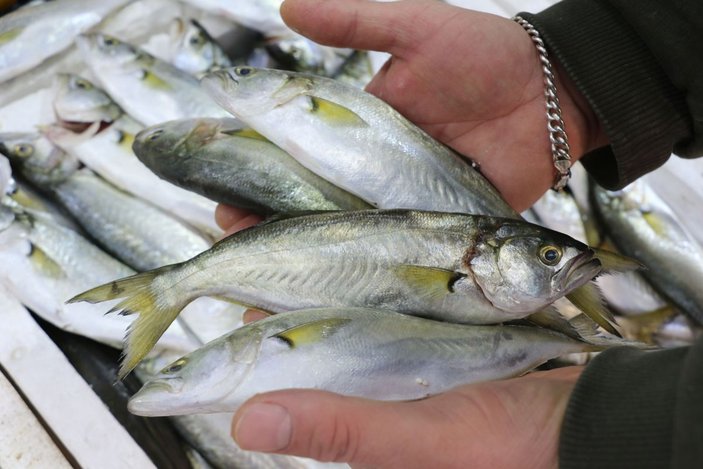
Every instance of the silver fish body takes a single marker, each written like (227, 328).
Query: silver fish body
(225, 162)
(453, 267)
(45, 263)
(108, 151)
(642, 226)
(148, 89)
(138, 233)
(31, 34)
(355, 141)
(374, 354)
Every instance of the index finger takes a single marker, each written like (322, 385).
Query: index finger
(357, 24)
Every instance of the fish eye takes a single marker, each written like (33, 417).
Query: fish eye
(110, 41)
(154, 135)
(175, 366)
(550, 255)
(82, 84)
(197, 40)
(23, 150)
(243, 71)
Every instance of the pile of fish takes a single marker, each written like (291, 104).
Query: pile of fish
(399, 270)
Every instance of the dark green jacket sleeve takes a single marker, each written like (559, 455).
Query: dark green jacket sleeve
(635, 409)
(639, 63)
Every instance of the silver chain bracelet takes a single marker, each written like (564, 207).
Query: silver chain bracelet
(555, 124)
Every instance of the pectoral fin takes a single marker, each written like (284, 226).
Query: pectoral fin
(428, 282)
(335, 114)
(44, 263)
(245, 133)
(312, 332)
(9, 35)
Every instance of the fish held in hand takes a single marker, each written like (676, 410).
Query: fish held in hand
(453, 267)
(368, 353)
(354, 140)
(234, 165)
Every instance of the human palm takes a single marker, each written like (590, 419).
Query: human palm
(472, 80)
(509, 424)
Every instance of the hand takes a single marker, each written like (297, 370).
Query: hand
(472, 80)
(513, 423)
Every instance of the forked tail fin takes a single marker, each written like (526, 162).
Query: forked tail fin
(155, 308)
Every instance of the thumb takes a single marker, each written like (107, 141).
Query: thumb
(357, 24)
(330, 427)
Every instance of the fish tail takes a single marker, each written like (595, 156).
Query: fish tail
(155, 307)
(588, 298)
(116, 289)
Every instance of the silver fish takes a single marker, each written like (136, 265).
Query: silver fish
(45, 262)
(355, 141)
(375, 354)
(196, 52)
(642, 226)
(108, 151)
(78, 100)
(228, 163)
(453, 267)
(138, 233)
(148, 89)
(31, 34)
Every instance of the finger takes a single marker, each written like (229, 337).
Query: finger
(357, 24)
(251, 315)
(226, 215)
(330, 427)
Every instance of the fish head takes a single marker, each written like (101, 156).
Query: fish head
(180, 138)
(200, 380)
(37, 158)
(77, 100)
(196, 51)
(523, 267)
(247, 91)
(101, 50)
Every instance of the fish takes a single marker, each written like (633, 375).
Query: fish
(231, 164)
(369, 353)
(195, 51)
(448, 266)
(136, 232)
(364, 146)
(357, 70)
(106, 148)
(300, 54)
(148, 89)
(45, 263)
(642, 226)
(34, 33)
(354, 140)
(77, 100)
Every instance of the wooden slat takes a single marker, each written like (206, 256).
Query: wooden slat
(23, 440)
(68, 406)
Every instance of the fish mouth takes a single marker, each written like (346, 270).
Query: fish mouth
(580, 270)
(156, 398)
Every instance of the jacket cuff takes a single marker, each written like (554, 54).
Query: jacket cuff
(621, 413)
(642, 113)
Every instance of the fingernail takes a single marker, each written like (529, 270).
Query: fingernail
(263, 427)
